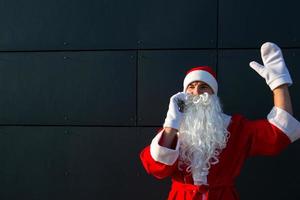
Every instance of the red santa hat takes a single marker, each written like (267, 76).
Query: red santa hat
(201, 73)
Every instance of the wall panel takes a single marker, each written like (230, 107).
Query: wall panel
(247, 24)
(114, 24)
(69, 162)
(86, 88)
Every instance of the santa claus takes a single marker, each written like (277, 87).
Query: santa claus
(202, 149)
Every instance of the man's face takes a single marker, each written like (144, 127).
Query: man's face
(198, 87)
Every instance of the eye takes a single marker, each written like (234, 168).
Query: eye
(204, 87)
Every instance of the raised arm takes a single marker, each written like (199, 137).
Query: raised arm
(282, 98)
(276, 74)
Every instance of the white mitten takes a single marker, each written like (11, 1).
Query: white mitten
(274, 70)
(175, 112)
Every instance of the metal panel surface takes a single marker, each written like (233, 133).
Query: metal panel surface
(64, 25)
(177, 24)
(245, 24)
(33, 163)
(103, 163)
(160, 75)
(271, 177)
(90, 88)
(243, 91)
(69, 163)
(114, 24)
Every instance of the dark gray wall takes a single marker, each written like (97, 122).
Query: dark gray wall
(85, 85)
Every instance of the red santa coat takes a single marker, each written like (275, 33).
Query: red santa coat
(247, 138)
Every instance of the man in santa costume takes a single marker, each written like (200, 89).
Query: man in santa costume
(202, 149)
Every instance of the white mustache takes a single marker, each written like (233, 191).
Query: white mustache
(194, 100)
(200, 98)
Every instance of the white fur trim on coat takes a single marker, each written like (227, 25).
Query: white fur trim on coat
(285, 122)
(227, 120)
(163, 154)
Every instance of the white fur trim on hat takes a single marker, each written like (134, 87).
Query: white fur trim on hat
(201, 75)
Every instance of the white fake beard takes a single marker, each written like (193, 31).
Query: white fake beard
(203, 135)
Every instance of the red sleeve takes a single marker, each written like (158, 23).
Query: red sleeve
(265, 138)
(157, 169)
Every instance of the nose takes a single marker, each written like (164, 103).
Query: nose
(197, 90)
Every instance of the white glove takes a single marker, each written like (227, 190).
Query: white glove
(175, 112)
(274, 70)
